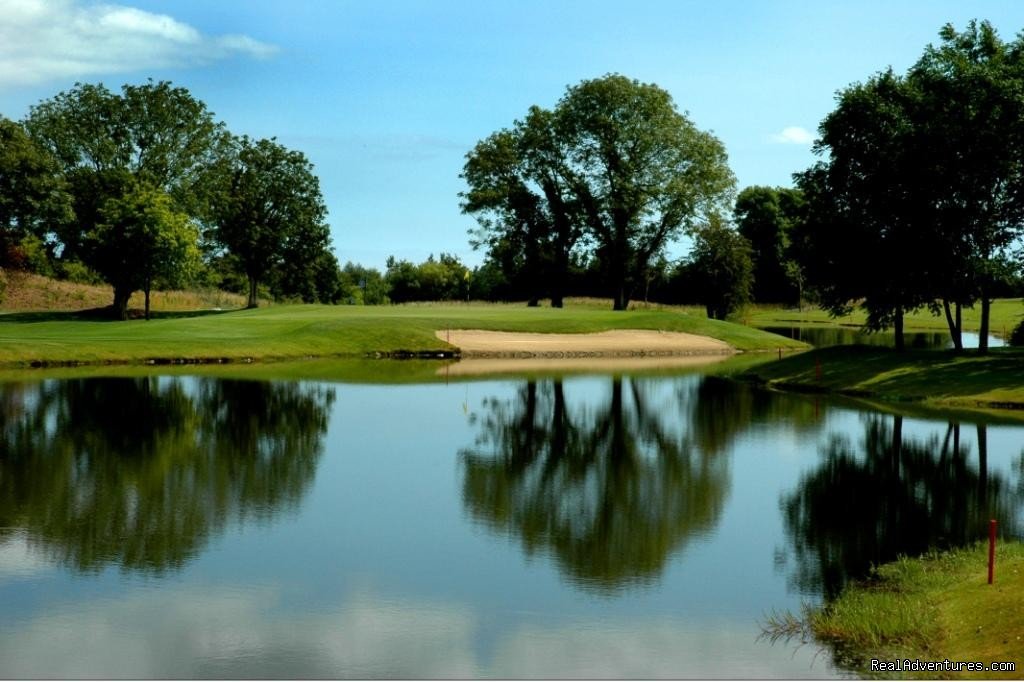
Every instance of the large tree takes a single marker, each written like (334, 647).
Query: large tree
(922, 192)
(971, 129)
(765, 216)
(108, 144)
(722, 268)
(141, 239)
(641, 170)
(519, 191)
(156, 132)
(266, 207)
(33, 193)
(865, 221)
(614, 163)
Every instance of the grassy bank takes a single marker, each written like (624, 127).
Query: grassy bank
(1006, 313)
(29, 292)
(931, 609)
(299, 331)
(940, 378)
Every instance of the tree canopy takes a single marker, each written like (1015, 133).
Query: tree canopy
(141, 238)
(33, 194)
(722, 268)
(266, 208)
(128, 156)
(615, 163)
(765, 216)
(921, 184)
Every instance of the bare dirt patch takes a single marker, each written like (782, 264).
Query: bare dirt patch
(614, 343)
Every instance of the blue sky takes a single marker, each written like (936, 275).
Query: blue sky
(385, 98)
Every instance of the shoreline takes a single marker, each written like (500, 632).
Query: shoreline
(934, 378)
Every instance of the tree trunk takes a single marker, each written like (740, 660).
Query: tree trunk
(558, 279)
(147, 300)
(120, 306)
(253, 303)
(960, 324)
(986, 304)
(954, 326)
(900, 345)
(621, 301)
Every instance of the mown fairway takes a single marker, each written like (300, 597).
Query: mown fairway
(320, 331)
(1006, 314)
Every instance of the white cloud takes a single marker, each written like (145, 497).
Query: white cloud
(793, 135)
(46, 40)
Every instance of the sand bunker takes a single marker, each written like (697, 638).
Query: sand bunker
(616, 343)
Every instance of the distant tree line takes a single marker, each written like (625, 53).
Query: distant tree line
(144, 188)
(916, 201)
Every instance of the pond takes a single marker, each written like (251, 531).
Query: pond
(588, 526)
(837, 336)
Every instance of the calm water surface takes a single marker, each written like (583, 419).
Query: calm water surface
(587, 527)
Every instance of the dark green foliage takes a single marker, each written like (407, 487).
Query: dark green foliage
(362, 286)
(137, 154)
(922, 191)
(441, 279)
(490, 283)
(721, 268)
(139, 239)
(156, 132)
(33, 198)
(315, 281)
(1017, 335)
(862, 213)
(614, 164)
(263, 200)
(765, 217)
(642, 172)
(522, 198)
(267, 210)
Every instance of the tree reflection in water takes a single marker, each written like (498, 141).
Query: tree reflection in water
(139, 472)
(891, 496)
(612, 492)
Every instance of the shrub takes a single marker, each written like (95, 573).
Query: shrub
(1017, 335)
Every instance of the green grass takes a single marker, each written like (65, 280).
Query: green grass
(933, 608)
(1006, 313)
(939, 378)
(304, 331)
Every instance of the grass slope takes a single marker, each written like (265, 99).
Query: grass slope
(934, 608)
(937, 377)
(29, 292)
(299, 331)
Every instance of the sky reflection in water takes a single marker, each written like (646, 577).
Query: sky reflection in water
(586, 527)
